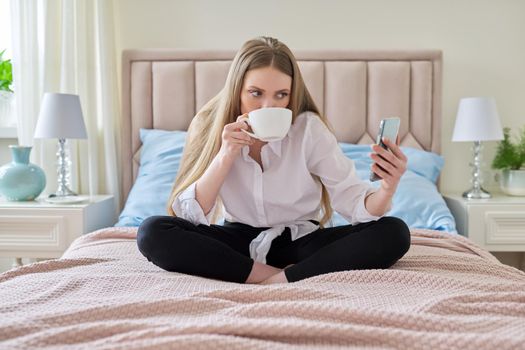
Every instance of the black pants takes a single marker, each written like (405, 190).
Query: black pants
(222, 252)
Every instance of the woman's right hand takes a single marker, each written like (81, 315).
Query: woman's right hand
(233, 139)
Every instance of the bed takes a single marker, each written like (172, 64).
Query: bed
(445, 293)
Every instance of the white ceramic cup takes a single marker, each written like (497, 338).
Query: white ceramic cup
(269, 124)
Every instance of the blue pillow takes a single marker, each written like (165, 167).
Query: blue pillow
(159, 162)
(417, 200)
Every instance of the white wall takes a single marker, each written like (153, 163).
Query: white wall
(482, 41)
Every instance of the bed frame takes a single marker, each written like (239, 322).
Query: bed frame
(164, 88)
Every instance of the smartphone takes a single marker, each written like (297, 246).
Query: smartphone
(388, 128)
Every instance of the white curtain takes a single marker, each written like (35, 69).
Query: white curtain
(69, 46)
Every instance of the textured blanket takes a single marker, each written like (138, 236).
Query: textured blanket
(445, 293)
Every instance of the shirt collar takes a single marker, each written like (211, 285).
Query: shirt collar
(244, 151)
(275, 147)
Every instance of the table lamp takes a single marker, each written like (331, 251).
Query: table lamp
(477, 120)
(61, 117)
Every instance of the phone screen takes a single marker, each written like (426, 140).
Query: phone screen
(388, 128)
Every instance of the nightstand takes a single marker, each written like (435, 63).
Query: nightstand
(497, 224)
(37, 229)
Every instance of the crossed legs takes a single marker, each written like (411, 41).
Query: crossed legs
(221, 252)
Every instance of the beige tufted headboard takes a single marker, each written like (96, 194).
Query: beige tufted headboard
(164, 88)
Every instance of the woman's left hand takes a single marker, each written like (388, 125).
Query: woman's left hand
(390, 166)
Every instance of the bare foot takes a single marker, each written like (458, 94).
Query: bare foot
(277, 278)
(261, 272)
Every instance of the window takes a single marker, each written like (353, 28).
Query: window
(5, 28)
(7, 110)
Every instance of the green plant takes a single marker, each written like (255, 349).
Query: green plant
(6, 74)
(510, 155)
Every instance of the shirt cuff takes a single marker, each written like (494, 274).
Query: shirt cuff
(186, 206)
(361, 213)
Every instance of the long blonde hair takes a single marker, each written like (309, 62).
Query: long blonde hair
(205, 131)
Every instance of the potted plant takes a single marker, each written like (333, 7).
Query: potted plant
(510, 158)
(6, 74)
(6, 94)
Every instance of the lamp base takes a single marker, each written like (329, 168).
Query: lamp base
(62, 192)
(477, 193)
(64, 163)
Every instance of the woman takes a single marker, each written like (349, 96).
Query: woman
(272, 193)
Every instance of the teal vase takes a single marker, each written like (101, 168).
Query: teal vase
(21, 180)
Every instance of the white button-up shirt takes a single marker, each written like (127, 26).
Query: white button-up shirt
(285, 193)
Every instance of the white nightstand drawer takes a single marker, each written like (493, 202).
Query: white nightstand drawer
(37, 229)
(497, 223)
(45, 233)
(505, 227)
(497, 228)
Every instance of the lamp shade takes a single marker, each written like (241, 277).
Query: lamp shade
(477, 120)
(60, 117)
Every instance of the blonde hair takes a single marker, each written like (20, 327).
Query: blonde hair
(224, 108)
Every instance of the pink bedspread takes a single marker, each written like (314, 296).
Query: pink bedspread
(446, 293)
